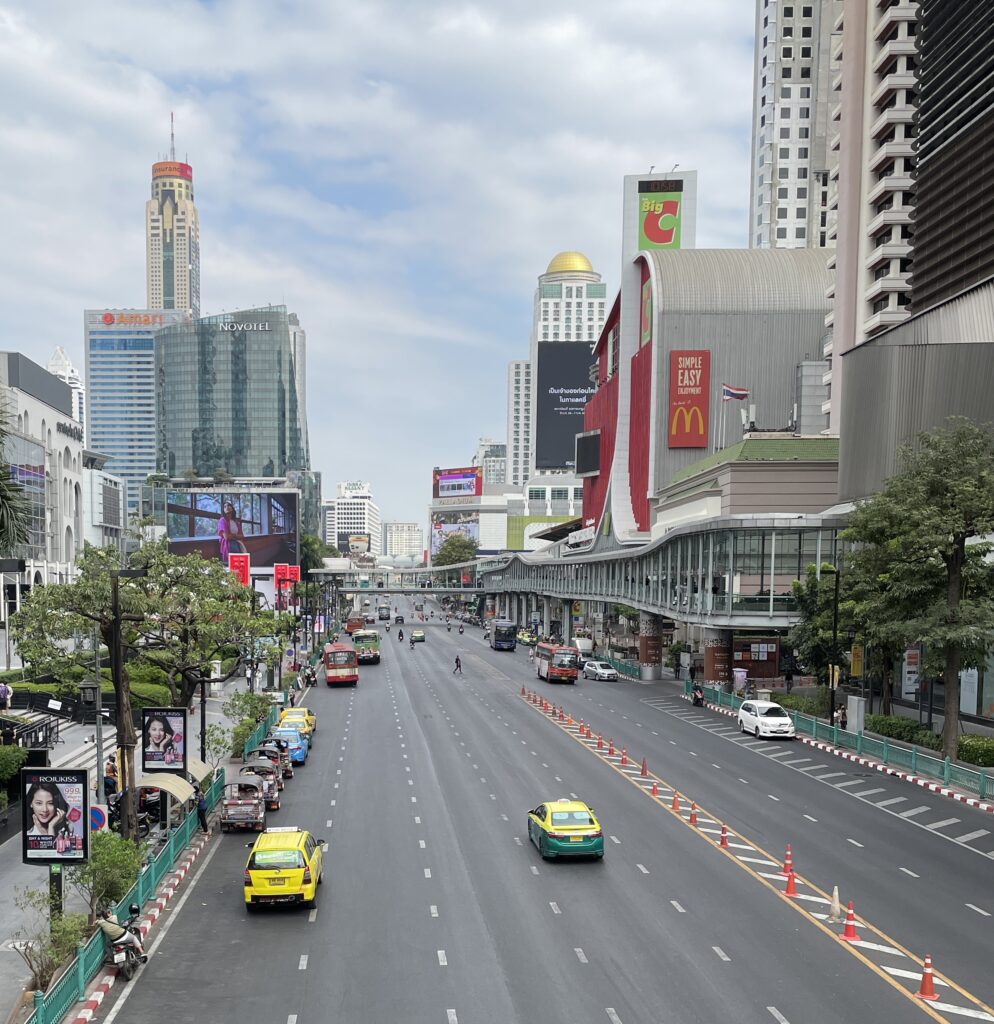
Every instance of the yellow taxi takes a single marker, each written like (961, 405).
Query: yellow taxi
(565, 828)
(285, 866)
(527, 638)
(302, 719)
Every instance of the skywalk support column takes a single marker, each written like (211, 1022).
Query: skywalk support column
(546, 615)
(650, 646)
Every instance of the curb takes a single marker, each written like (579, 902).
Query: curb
(865, 762)
(94, 997)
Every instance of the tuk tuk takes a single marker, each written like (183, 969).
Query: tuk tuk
(269, 750)
(269, 773)
(283, 747)
(244, 805)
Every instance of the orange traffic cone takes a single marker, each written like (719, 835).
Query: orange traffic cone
(645, 768)
(610, 748)
(724, 836)
(693, 813)
(569, 719)
(590, 734)
(927, 988)
(624, 755)
(562, 717)
(849, 934)
(522, 691)
(791, 889)
(676, 801)
(655, 789)
(600, 741)
(788, 862)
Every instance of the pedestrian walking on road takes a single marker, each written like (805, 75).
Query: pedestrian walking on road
(788, 680)
(531, 653)
(458, 667)
(202, 810)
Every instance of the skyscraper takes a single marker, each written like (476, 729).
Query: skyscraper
(352, 519)
(491, 456)
(788, 206)
(172, 238)
(568, 307)
(403, 540)
(60, 366)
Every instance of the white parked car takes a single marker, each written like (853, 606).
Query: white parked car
(599, 670)
(764, 718)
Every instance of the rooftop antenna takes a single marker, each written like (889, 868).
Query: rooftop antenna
(172, 137)
(675, 166)
(652, 168)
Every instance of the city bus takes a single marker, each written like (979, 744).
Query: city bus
(341, 666)
(556, 664)
(367, 646)
(503, 635)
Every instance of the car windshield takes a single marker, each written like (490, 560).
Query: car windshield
(774, 712)
(564, 818)
(288, 734)
(269, 860)
(564, 660)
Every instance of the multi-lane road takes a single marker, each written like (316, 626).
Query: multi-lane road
(436, 908)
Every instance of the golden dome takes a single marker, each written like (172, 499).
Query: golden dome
(567, 262)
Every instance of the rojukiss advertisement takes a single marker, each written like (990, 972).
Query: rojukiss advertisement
(55, 816)
(164, 740)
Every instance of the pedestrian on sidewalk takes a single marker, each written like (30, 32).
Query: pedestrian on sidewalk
(843, 717)
(202, 810)
(458, 667)
(6, 694)
(788, 680)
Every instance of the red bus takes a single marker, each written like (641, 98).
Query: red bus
(556, 664)
(341, 665)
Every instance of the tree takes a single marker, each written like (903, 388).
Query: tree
(313, 552)
(922, 538)
(454, 549)
(812, 636)
(47, 939)
(110, 872)
(217, 743)
(14, 506)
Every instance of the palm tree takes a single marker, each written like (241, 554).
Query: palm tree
(14, 507)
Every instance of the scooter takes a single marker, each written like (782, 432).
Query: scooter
(461, 630)
(143, 818)
(697, 696)
(388, 627)
(400, 635)
(123, 955)
(448, 628)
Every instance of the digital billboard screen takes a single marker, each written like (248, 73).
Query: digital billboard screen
(457, 483)
(561, 391)
(216, 524)
(588, 453)
(447, 524)
(353, 543)
(55, 815)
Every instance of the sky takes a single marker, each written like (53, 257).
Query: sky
(397, 172)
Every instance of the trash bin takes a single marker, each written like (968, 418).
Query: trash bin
(764, 694)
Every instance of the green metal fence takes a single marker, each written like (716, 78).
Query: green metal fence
(624, 668)
(913, 759)
(52, 1006)
(262, 729)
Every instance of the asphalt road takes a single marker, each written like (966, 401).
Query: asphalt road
(437, 909)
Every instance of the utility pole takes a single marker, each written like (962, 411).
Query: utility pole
(834, 668)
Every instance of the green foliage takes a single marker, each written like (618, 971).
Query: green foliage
(144, 695)
(455, 549)
(11, 760)
(313, 551)
(244, 705)
(217, 743)
(46, 939)
(978, 750)
(111, 871)
(812, 636)
(897, 727)
(629, 614)
(673, 653)
(816, 706)
(239, 736)
(14, 508)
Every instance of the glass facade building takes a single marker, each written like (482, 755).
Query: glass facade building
(230, 395)
(26, 459)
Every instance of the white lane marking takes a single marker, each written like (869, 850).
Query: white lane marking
(808, 816)
(810, 898)
(421, 843)
(772, 797)
(517, 840)
(302, 963)
(291, 1018)
(676, 906)
(433, 910)
(417, 820)
(899, 972)
(943, 823)
(722, 955)
(693, 753)
(777, 1015)
(970, 836)
(913, 811)
(427, 872)
(332, 803)
(962, 1010)
(892, 801)
(908, 872)
(642, 868)
(327, 824)
(718, 766)
(414, 799)
(862, 943)
(609, 1010)
(830, 775)
(442, 959)
(410, 782)
(503, 817)
(863, 793)
(580, 955)
(450, 1017)
(312, 916)
(978, 910)
(554, 907)
(850, 782)
(558, 779)
(853, 841)
(755, 860)
(534, 869)
(745, 781)
(799, 760)
(615, 839)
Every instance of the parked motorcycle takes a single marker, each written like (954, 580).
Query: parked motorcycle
(143, 818)
(697, 696)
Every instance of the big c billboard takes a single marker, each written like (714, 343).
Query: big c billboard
(690, 382)
(562, 389)
(457, 483)
(659, 210)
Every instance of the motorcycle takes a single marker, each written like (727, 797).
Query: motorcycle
(123, 955)
(448, 628)
(400, 635)
(388, 627)
(312, 677)
(461, 630)
(144, 819)
(412, 643)
(697, 695)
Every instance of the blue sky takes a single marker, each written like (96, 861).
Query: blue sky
(397, 171)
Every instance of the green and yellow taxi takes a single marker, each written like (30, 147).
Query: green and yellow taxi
(285, 865)
(565, 828)
(418, 636)
(527, 638)
(302, 719)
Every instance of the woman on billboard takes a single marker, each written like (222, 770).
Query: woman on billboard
(49, 811)
(161, 740)
(229, 532)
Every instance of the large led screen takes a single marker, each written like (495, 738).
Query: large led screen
(445, 524)
(457, 483)
(561, 391)
(215, 524)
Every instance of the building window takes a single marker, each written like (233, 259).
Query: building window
(787, 52)
(784, 153)
(802, 193)
(805, 92)
(784, 133)
(781, 232)
(579, 291)
(781, 193)
(781, 213)
(804, 133)
(799, 212)
(786, 73)
(536, 494)
(560, 494)
(806, 32)
(805, 52)
(805, 111)
(788, 12)
(783, 173)
(569, 292)
(787, 32)
(806, 12)
(785, 92)
(802, 153)
(805, 72)
(577, 493)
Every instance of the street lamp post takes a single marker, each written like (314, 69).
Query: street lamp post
(834, 668)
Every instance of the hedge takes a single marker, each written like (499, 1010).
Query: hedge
(978, 750)
(897, 727)
(816, 705)
(143, 695)
(239, 735)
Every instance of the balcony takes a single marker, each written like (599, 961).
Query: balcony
(898, 215)
(830, 262)
(887, 252)
(836, 50)
(891, 118)
(893, 183)
(893, 17)
(830, 319)
(834, 142)
(836, 81)
(826, 407)
(892, 51)
(829, 347)
(891, 151)
(890, 84)
(835, 114)
(889, 285)
(826, 377)
(884, 319)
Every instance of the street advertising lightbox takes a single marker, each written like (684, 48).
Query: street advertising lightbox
(457, 483)
(562, 390)
(55, 816)
(241, 565)
(690, 387)
(218, 524)
(164, 740)
(659, 212)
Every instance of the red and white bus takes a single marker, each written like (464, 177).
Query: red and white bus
(341, 665)
(556, 664)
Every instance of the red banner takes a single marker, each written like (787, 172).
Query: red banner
(239, 565)
(293, 573)
(690, 384)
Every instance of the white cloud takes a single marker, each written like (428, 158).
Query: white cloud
(398, 173)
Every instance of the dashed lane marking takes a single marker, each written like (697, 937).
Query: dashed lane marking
(676, 906)
(722, 955)
(442, 959)
(302, 963)
(907, 871)
(580, 955)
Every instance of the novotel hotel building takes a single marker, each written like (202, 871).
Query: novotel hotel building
(230, 395)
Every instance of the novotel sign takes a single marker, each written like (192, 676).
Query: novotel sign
(70, 430)
(237, 325)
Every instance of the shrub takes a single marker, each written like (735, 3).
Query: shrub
(239, 735)
(143, 695)
(816, 705)
(11, 760)
(978, 750)
(109, 874)
(896, 727)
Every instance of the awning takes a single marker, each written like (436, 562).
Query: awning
(172, 784)
(198, 769)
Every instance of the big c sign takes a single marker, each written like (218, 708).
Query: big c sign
(690, 382)
(659, 214)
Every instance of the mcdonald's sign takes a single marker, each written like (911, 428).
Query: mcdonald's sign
(690, 383)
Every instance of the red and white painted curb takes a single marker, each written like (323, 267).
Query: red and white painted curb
(98, 993)
(866, 762)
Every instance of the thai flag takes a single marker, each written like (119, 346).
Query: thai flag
(728, 393)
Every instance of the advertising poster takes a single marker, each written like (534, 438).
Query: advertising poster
(457, 483)
(241, 566)
(447, 524)
(659, 214)
(218, 524)
(164, 740)
(55, 816)
(561, 393)
(690, 387)
(645, 317)
(353, 543)
(909, 673)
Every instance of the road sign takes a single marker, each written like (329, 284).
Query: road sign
(856, 661)
(98, 818)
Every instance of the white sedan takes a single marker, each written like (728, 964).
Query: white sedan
(599, 670)
(764, 718)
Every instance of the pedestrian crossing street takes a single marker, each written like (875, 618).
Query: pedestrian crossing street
(867, 784)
